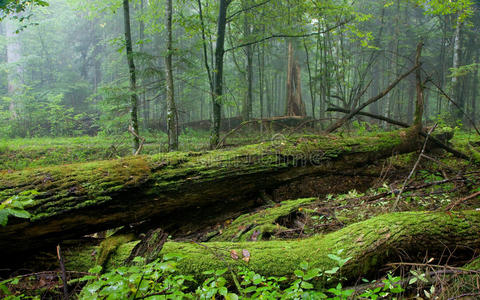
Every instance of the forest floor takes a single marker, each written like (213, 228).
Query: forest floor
(440, 183)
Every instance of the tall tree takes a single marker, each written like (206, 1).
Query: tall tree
(172, 117)
(13, 57)
(218, 72)
(295, 105)
(247, 30)
(133, 78)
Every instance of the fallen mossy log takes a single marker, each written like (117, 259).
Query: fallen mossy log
(406, 236)
(177, 188)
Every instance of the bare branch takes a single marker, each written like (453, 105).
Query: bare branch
(289, 36)
(229, 18)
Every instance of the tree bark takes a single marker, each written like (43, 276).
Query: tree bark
(419, 104)
(407, 236)
(172, 116)
(13, 57)
(218, 72)
(248, 100)
(174, 189)
(133, 78)
(145, 103)
(295, 105)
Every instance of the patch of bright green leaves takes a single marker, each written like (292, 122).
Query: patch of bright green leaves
(160, 280)
(15, 206)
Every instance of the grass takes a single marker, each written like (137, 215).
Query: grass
(18, 154)
(21, 153)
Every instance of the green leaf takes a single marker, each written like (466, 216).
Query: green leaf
(23, 214)
(299, 273)
(95, 270)
(221, 272)
(3, 218)
(250, 289)
(332, 271)
(304, 265)
(231, 296)
(223, 291)
(306, 285)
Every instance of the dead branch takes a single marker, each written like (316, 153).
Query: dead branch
(414, 169)
(142, 140)
(382, 118)
(352, 113)
(451, 206)
(436, 141)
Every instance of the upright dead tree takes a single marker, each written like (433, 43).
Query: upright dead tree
(295, 105)
(172, 117)
(133, 79)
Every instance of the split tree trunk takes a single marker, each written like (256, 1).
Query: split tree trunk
(295, 105)
(174, 189)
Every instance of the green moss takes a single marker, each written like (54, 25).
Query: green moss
(369, 244)
(110, 245)
(80, 258)
(263, 222)
(60, 187)
(118, 257)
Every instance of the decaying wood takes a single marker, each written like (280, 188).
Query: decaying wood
(406, 236)
(176, 189)
(439, 142)
(370, 115)
(149, 247)
(382, 94)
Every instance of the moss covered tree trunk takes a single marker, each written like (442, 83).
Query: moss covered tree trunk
(174, 189)
(407, 236)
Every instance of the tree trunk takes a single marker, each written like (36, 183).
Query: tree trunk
(456, 63)
(13, 57)
(172, 116)
(248, 99)
(473, 113)
(310, 80)
(145, 103)
(419, 104)
(133, 78)
(174, 189)
(295, 105)
(407, 236)
(218, 78)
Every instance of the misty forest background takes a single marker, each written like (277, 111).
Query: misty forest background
(64, 69)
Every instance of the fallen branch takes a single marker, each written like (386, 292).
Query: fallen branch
(451, 206)
(436, 141)
(414, 169)
(352, 113)
(142, 140)
(456, 105)
(378, 117)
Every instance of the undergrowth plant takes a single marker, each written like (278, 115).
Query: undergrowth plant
(161, 280)
(15, 206)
